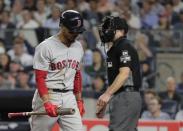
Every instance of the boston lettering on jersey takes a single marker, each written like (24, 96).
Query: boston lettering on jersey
(62, 64)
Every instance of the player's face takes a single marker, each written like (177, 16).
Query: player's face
(70, 36)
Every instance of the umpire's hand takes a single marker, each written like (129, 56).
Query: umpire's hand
(102, 103)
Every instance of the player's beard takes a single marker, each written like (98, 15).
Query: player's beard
(71, 39)
(68, 38)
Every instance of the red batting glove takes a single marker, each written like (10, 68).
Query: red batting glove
(80, 104)
(51, 109)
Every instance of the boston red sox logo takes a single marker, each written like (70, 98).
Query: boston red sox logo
(74, 64)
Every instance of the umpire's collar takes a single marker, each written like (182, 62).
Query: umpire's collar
(119, 39)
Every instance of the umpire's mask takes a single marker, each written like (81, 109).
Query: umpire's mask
(110, 24)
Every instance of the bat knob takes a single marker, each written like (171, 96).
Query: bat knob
(73, 111)
(9, 115)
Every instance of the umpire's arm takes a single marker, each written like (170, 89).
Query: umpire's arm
(119, 80)
(115, 86)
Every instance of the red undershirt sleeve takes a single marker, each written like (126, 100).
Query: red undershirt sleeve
(40, 82)
(78, 82)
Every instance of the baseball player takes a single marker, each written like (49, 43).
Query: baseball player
(58, 78)
(124, 77)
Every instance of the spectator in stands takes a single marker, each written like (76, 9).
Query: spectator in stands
(28, 47)
(14, 68)
(4, 62)
(98, 67)
(83, 5)
(28, 21)
(13, 72)
(4, 82)
(71, 5)
(2, 48)
(170, 93)
(154, 110)
(149, 19)
(172, 15)
(179, 115)
(29, 5)
(147, 80)
(133, 20)
(105, 7)
(157, 8)
(98, 86)
(180, 85)
(2, 6)
(148, 95)
(86, 79)
(51, 3)
(163, 23)
(179, 25)
(91, 21)
(142, 46)
(7, 29)
(23, 80)
(18, 53)
(28, 25)
(40, 14)
(131, 4)
(88, 54)
(53, 22)
(16, 13)
(91, 14)
(177, 5)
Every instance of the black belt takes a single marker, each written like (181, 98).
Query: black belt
(60, 90)
(127, 89)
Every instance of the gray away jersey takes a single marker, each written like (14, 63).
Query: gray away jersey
(60, 61)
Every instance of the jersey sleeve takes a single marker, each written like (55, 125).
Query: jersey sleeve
(42, 58)
(124, 55)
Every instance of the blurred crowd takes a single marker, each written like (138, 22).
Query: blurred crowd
(153, 24)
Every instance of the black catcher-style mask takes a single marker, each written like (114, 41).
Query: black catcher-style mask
(110, 24)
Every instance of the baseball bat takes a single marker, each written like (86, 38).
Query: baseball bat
(63, 111)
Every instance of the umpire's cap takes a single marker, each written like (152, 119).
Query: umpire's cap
(72, 20)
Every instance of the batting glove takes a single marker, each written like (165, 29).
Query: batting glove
(51, 109)
(80, 104)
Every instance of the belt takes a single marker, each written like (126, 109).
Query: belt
(60, 90)
(127, 89)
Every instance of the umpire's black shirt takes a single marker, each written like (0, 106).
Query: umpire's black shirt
(123, 54)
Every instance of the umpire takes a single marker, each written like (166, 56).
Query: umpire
(124, 77)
